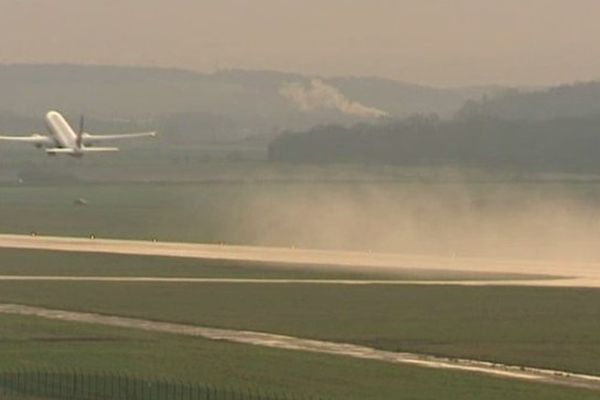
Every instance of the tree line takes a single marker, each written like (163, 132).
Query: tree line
(561, 144)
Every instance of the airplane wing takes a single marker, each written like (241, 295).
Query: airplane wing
(89, 138)
(81, 151)
(34, 139)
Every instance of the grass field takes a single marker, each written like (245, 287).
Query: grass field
(543, 327)
(33, 343)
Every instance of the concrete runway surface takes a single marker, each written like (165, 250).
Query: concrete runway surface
(567, 274)
(314, 346)
(274, 281)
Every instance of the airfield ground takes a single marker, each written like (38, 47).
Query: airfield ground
(531, 325)
(514, 325)
(504, 324)
(31, 343)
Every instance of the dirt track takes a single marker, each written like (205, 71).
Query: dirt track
(315, 346)
(580, 274)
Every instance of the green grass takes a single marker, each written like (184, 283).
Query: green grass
(31, 343)
(51, 263)
(544, 327)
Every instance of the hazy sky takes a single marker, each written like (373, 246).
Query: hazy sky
(440, 42)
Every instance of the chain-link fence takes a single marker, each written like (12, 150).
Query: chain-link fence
(78, 385)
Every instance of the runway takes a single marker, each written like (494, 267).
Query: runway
(567, 274)
(315, 346)
(343, 282)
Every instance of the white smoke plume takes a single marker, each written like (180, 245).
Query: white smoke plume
(319, 95)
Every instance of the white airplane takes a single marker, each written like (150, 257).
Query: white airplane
(62, 138)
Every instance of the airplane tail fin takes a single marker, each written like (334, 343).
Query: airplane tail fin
(79, 140)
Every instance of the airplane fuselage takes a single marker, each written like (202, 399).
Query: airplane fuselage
(60, 130)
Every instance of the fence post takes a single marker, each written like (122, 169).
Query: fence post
(74, 387)
(89, 379)
(140, 384)
(134, 386)
(20, 384)
(54, 377)
(30, 379)
(85, 384)
(4, 379)
(103, 375)
(27, 382)
(81, 387)
(76, 383)
(119, 386)
(43, 382)
(45, 389)
(12, 380)
(8, 376)
(45, 385)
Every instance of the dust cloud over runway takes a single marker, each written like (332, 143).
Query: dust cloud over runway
(316, 346)
(566, 274)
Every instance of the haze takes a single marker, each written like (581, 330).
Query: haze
(447, 43)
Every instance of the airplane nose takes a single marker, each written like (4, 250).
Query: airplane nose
(51, 113)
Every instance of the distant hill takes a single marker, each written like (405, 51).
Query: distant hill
(566, 101)
(224, 105)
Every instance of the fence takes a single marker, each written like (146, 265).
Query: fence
(77, 385)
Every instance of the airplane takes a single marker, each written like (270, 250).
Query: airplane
(62, 139)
